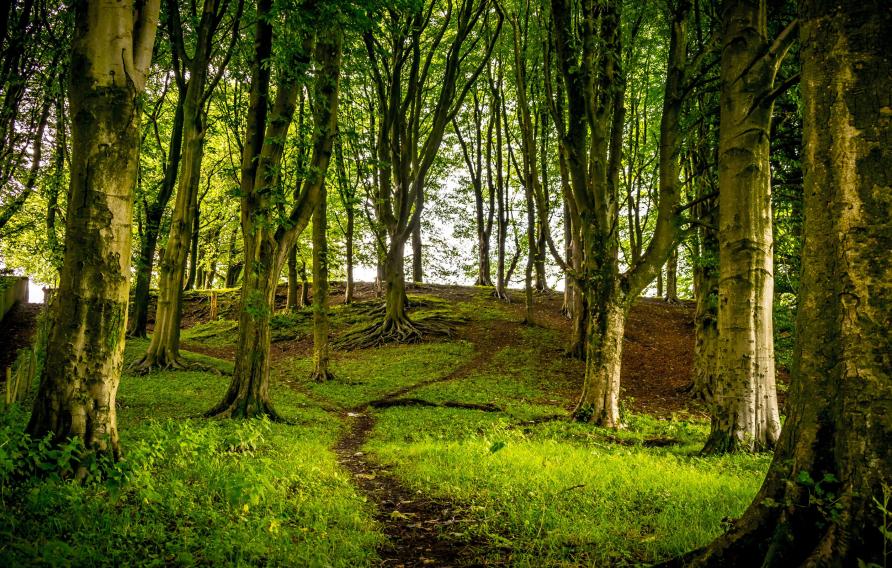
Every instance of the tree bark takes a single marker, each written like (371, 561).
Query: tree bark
(267, 241)
(819, 504)
(164, 347)
(154, 214)
(194, 256)
(591, 140)
(293, 301)
(745, 411)
(111, 50)
(672, 276)
(320, 291)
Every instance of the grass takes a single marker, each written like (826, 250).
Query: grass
(193, 491)
(367, 375)
(550, 493)
(566, 494)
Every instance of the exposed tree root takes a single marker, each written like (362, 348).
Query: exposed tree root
(501, 295)
(392, 331)
(148, 365)
(322, 376)
(394, 402)
(242, 408)
(371, 308)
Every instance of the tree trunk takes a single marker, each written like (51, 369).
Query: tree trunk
(304, 300)
(350, 286)
(164, 348)
(140, 310)
(672, 276)
(268, 240)
(745, 413)
(706, 333)
(248, 393)
(320, 291)
(395, 299)
(599, 402)
(417, 254)
(820, 503)
(292, 301)
(233, 265)
(85, 348)
(194, 258)
(154, 215)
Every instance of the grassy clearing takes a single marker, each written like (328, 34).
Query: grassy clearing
(191, 491)
(555, 493)
(367, 375)
(567, 494)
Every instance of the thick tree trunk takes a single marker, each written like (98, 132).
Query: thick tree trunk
(248, 393)
(599, 402)
(395, 298)
(85, 349)
(320, 291)
(745, 411)
(267, 240)
(820, 503)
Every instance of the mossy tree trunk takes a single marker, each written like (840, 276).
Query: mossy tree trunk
(320, 290)
(817, 505)
(193, 79)
(591, 140)
(745, 412)
(268, 237)
(111, 51)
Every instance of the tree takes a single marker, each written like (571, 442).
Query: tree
(745, 412)
(111, 51)
(472, 151)
(416, 98)
(591, 138)
(320, 290)
(31, 61)
(196, 84)
(819, 503)
(268, 234)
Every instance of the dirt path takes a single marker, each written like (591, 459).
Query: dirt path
(421, 531)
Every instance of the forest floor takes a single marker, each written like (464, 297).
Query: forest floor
(453, 452)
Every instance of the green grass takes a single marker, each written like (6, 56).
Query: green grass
(195, 491)
(553, 493)
(367, 375)
(566, 494)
